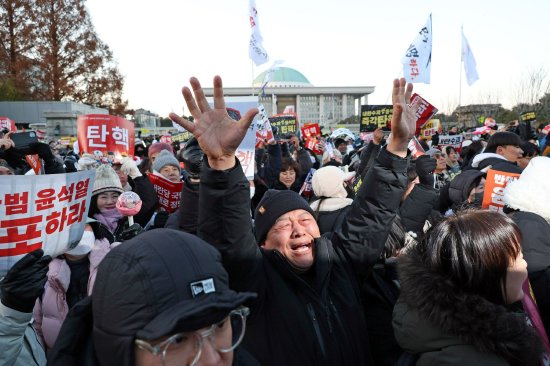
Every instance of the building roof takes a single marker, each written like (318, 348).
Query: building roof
(283, 77)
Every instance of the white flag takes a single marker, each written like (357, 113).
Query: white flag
(418, 58)
(271, 71)
(470, 66)
(256, 50)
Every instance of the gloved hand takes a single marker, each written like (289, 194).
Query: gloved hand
(25, 281)
(129, 233)
(424, 168)
(129, 167)
(192, 156)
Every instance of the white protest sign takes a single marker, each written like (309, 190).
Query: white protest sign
(42, 211)
(451, 140)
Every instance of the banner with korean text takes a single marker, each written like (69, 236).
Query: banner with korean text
(375, 116)
(493, 195)
(103, 133)
(430, 128)
(285, 123)
(42, 211)
(168, 193)
(451, 140)
(424, 111)
(6, 123)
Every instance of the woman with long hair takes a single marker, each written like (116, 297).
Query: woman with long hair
(459, 292)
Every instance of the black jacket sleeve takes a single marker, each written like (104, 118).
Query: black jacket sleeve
(364, 231)
(225, 222)
(273, 166)
(367, 158)
(149, 201)
(188, 213)
(417, 207)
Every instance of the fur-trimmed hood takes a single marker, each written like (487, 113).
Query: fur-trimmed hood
(447, 316)
(484, 156)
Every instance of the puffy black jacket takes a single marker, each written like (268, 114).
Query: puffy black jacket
(315, 318)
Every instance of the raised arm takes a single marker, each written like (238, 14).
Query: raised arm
(224, 198)
(366, 227)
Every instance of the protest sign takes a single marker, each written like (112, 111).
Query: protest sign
(237, 107)
(6, 123)
(264, 133)
(528, 116)
(42, 211)
(415, 147)
(307, 187)
(167, 139)
(424, 112)
(546, 129)
(182, 136)
(375, 116)
(168, 193)
(451, 140)
(312, 143)
(493, 196)
(34, 162)
(104, 133)
(430, 128)
(310, 130)
(285, 123)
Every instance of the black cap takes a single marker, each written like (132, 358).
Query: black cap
(157, 284)
(275, 203)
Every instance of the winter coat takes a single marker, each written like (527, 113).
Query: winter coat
(185, 218)
(19, 343)
(303, 319)
(149, 201)
(417, 208)
(51, 309)
(486, 161)
(444, 325)
(331, 213)
(269, 172)
(536, 252)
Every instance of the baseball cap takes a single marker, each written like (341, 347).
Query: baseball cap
(159, 283)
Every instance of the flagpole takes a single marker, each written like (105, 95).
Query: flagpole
(460, 80)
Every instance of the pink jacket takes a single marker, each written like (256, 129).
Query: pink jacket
(51, 310)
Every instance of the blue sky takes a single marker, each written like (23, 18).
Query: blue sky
(160, 44)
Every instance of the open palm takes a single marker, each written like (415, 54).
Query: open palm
(217, 134)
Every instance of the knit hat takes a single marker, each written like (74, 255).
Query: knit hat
(329, 182)
(433, 151)
(531, 192)
(106, 180)
(165, 158)
(158, 147)
(275, 203)
(157, 284)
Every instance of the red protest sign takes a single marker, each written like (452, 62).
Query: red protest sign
(7, 123)
(166, 139)
(424, 112)
(493, 196)
(310, 130)
(313, 145)
(415, 147)
(105, 133)
(168, 193)
(34, 162)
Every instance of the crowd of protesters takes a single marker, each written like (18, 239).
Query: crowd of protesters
(361, 255)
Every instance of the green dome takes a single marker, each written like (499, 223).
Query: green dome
(283, 76)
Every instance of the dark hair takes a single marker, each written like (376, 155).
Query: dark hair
(288, 164)
(473, 249)
(93, 207)
(529, 149)
(502, 139)
(448, 150)
(338, 142)
(471, 150)
(396, 239)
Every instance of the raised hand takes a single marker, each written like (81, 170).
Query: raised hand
(403, 120)
(217, 133)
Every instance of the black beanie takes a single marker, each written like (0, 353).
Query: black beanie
(275, 203)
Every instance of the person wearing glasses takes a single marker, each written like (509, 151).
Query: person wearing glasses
(159, 299)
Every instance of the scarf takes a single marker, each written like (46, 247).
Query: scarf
(109, 218)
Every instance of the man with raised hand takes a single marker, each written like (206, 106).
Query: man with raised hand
(308, 310)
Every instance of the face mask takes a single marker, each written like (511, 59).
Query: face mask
(478, 199)
(85, 245)
(252, 192)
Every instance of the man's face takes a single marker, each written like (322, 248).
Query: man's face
(292, 235)
(343, 148)
(441, 163)
(510, 152)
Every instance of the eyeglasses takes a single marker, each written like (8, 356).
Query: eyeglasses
(224, 336)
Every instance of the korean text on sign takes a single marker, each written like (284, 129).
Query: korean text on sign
(285, 124)
(168, 193)
(493, 195)
(375, 116)
(104, 133)
(42, 211)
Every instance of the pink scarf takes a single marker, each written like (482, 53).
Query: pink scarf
(109, 218)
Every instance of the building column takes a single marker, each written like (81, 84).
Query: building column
(344, 106)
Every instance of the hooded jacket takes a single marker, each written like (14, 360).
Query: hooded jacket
(444, 325)
(314, 318)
